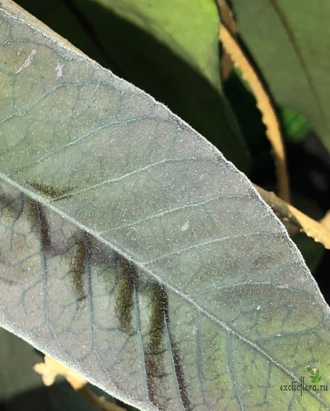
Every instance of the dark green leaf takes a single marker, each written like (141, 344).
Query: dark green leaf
(288, 40)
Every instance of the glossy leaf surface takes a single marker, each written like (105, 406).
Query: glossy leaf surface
(132, 251)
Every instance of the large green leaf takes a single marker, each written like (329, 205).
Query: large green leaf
(132, 251)
(169, 48)
(288, 40)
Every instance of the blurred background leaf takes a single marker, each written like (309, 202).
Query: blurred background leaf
(294, 126)
(288, 42)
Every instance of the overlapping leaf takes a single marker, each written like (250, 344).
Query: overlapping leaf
(132, 251)
(288, 41)
(169, 48)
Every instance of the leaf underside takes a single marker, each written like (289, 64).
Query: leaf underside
(133, 252)
(174, 56)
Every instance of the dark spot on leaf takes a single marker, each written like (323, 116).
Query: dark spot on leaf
(77, 270)
(124, 294)
(49, 191)
(154, 352)
(38, 219)
(177, 363)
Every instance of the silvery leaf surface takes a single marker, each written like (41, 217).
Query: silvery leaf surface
(132, 251)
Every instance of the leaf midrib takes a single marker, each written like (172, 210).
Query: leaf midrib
(45, 202)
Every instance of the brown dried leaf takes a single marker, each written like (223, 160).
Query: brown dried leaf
(288, 213)
(265, 106)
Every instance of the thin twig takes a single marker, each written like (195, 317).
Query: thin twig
(288, 213)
